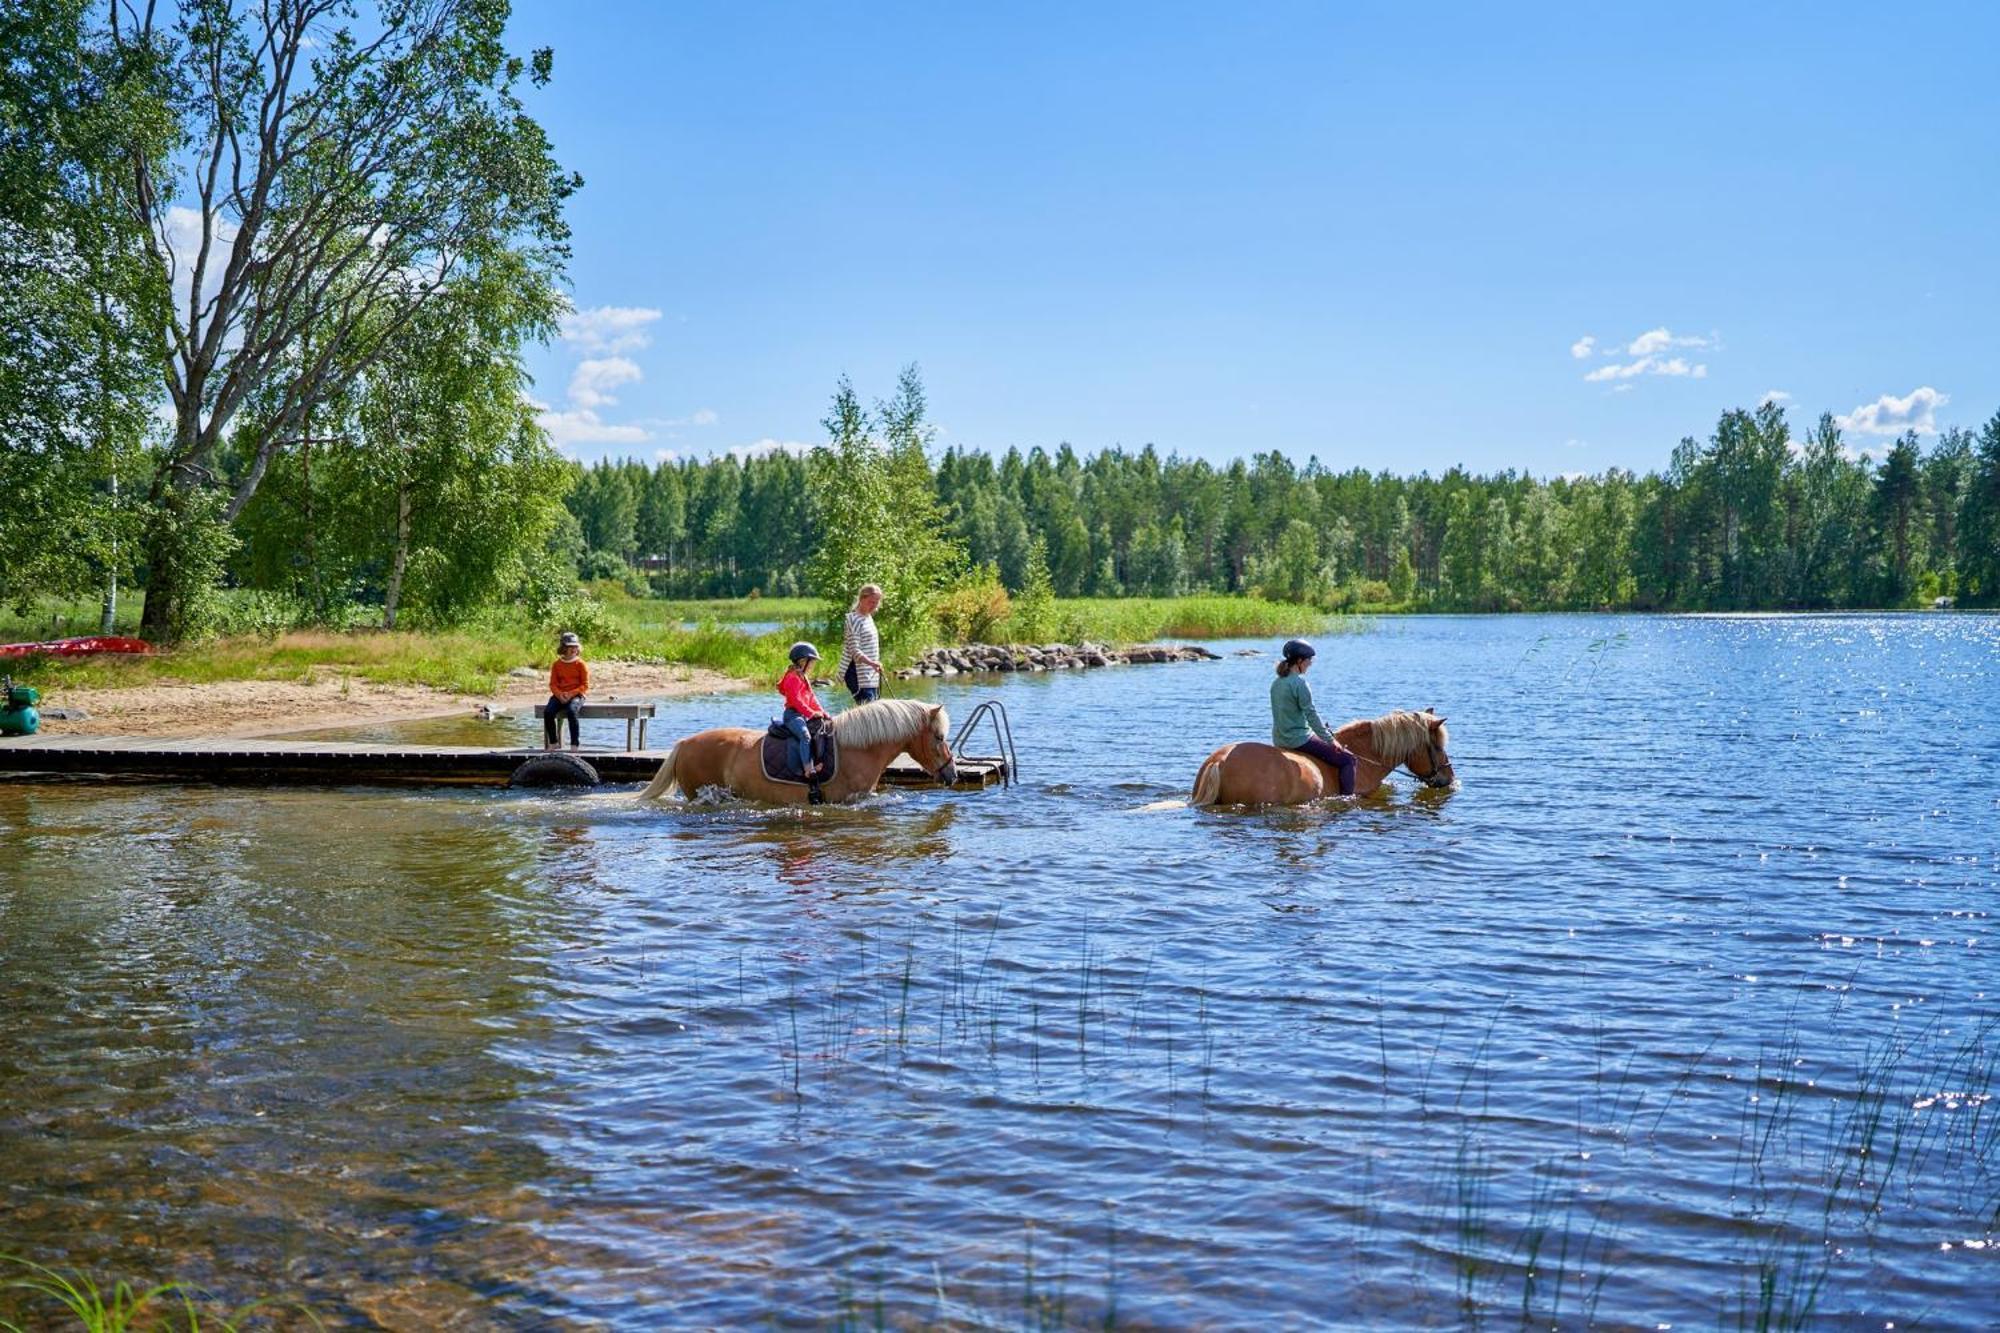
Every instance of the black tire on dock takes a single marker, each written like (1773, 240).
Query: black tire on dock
(555, 770)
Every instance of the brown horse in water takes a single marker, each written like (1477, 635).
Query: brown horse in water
(1250, 773)
(869, 737)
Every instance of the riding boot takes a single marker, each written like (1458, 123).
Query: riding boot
(814, 795)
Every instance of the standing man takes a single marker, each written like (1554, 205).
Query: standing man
(861, 647)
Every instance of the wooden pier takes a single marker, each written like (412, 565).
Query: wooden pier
(335, 763)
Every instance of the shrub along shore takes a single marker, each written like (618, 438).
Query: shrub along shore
(744, 639)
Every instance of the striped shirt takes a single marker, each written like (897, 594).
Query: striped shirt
(858, 641)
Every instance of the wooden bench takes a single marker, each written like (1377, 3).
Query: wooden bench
(640, 713)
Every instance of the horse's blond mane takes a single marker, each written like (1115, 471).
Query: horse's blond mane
(887, 720)
(1400, 734)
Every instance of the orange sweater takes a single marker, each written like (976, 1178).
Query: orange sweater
(567, 679)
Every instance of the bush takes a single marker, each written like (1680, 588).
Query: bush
(970, 610)
(1035, 618)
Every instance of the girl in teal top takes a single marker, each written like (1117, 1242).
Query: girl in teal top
(1296, 724)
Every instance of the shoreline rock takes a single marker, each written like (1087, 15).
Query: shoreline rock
(974, 658)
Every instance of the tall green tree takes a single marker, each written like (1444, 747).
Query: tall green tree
(876, 512)
(336, 166)
(1979, 521)
(75, 355)
(1897, 519)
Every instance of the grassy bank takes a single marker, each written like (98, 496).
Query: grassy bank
(1134, 619)
(471, 660)
(476, 658)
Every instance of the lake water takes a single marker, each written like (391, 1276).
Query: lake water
(1680, 1012)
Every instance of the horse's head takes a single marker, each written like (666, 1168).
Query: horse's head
(931, 746)
(1430, 763)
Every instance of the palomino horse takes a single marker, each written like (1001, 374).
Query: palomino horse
(1249, 773)
(869, 737)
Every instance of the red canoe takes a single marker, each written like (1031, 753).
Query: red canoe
(82, 647)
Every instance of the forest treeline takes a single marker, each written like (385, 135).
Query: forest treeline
(1751, 518)
(268, 275)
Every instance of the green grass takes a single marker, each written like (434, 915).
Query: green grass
(1206, 616)
(49, 618)
(79, 1303)
(475, 659)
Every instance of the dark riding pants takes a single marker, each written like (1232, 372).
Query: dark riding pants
(795, 723)
(1339, 757)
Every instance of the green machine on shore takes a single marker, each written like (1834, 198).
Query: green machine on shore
(17, 709)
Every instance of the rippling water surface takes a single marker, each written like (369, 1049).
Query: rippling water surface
(1679, 1012)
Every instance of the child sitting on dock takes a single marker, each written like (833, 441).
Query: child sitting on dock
(802, 705)
(569, 681)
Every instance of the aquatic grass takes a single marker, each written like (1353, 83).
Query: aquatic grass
(1817, 1146)
(162, 1308)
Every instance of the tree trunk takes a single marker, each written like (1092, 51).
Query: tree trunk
(160, 620)
(402, 555)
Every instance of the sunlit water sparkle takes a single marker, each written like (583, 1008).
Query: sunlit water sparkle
(1679, 1008)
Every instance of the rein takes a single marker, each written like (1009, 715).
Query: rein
(1437, 776)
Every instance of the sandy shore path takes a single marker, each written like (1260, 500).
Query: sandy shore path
(274, 707)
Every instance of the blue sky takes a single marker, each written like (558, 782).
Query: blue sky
(1377, 234)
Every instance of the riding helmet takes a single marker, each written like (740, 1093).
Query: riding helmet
(1298, 650)
(569, 639)
(804, 652)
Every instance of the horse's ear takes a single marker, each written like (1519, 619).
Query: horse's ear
(1436, 721)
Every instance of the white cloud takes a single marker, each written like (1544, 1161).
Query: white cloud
(1654, 341)
(754, 449)
(1889, 415)
(583, 426)
(1774, 396)
(704, 416)
(1648, 356)
(591, 383)
(606, 330)
(1672, 366)
(767, 445)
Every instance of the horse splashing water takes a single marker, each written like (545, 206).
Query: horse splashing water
(1252, 773)
(868, 737)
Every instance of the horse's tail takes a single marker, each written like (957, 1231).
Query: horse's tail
(1208, 782)
(664, 782)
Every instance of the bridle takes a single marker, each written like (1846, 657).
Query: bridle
(1440, 762)
(943, 746)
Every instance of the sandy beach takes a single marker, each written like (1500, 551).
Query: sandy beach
(330, 699)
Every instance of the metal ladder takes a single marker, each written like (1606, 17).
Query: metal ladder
(995, 714)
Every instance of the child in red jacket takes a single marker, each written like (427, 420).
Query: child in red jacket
(569, 681)
(802, 705)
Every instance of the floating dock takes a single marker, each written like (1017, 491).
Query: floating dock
(336, 763)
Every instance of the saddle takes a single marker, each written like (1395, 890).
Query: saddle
(780, 752)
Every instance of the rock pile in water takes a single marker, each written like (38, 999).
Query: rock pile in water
(975, 657)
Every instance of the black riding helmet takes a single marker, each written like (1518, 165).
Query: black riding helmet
(804, 652)
(1298, 650)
